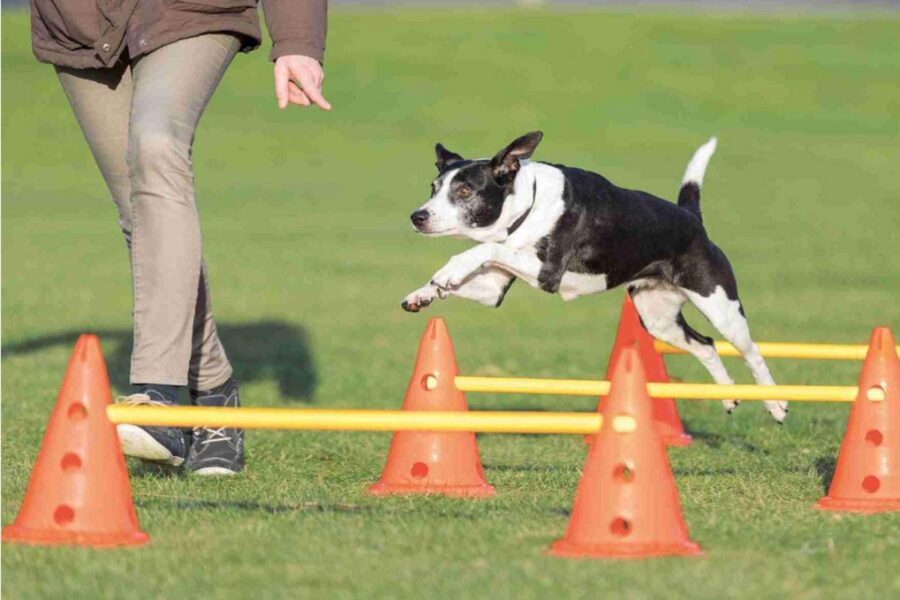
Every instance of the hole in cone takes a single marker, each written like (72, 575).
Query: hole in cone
(77, 411)
(419, 470)
(64, 514)
(874, 437)
(624, 424)
(429, 382)
(624, 473)
(620, 526)
(70, 462)
(871, 484)
(876, 393)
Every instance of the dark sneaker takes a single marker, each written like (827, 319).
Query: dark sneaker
(217, 450)
(160, 445)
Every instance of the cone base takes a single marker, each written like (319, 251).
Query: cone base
(826, 503)
(677, 439)
(567, 549)
(44, 537)
(457, 491)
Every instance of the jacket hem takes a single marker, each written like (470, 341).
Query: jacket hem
(250, 36)
(87, 58)
(70, 59)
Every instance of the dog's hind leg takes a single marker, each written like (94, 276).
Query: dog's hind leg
(711, 287)
(727, 315)
(660, 312)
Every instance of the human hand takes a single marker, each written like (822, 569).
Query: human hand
(298, 80)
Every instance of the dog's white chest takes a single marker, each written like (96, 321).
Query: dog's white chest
(573, 285)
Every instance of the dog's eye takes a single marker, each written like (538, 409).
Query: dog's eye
(463, 192)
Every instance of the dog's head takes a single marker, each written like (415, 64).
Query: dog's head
(468, 196)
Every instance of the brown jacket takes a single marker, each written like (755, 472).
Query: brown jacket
(96, 33)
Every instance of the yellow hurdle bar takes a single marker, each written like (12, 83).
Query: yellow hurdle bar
(786, 350)
(357, 420)
(692, 391)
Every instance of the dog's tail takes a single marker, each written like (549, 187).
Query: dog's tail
(689, 195)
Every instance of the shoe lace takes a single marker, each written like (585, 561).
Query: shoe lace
(210, 435)
(139, 400)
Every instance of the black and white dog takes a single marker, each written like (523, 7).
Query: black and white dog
(573, 232)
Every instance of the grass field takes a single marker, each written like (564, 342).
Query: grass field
(306, 235)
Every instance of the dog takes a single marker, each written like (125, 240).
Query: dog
(572, 232)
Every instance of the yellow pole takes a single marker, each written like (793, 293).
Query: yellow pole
(356, 420)
(787, 350)
(693, 391)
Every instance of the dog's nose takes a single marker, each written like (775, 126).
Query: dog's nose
(419, 217)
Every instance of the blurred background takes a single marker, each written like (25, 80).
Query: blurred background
(306, 234)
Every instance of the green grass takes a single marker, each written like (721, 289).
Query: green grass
(304, 218)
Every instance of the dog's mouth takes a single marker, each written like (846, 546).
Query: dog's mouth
(428, 230)
(432, 233)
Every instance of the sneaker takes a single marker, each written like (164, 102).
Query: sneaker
(217, 450)
(159, 445)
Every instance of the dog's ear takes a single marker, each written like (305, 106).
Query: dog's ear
(506, 162)
(445, 158)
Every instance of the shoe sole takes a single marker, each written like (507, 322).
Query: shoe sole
(214, 471)
(137, 443)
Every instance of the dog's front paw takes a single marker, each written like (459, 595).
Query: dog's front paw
(455, 272)
(419, 299)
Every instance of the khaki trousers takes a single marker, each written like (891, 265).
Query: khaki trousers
(139, 120)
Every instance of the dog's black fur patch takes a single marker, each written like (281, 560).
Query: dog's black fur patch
(487, 195)
(689, 198)
(480, 187)
(627, 235)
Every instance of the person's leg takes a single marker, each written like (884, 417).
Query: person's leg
(172, 87)
(175, 339)
(101, 100)
(209, 367)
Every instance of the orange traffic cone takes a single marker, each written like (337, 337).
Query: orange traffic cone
(665, 412)
(867, 475)
(79, 491)
(627, 504)
(431, 462)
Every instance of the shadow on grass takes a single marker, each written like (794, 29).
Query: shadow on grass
(299, 507)
(258, 351)
(524, 468)
(825, 468)
(716, 440)
(251, 506)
